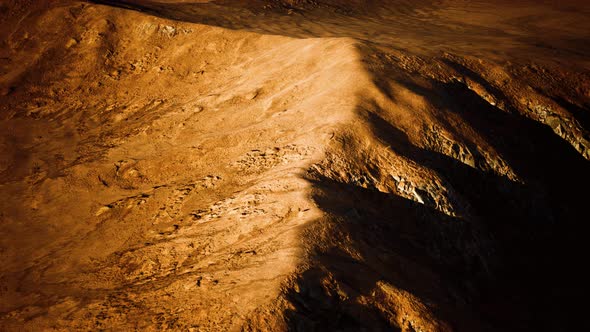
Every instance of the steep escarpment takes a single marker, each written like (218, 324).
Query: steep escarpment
(294, 165)
(444, 212)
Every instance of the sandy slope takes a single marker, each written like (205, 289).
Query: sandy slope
(294, 165)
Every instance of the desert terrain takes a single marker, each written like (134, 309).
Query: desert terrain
(294, 165)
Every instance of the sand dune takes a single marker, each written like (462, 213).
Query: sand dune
(293, 165)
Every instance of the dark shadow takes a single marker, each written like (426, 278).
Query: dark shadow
(384, 23)
(318, 310)
(406, 244)
(510, 278)
(402, 23)
(538, 226)
(235, 15)
(581, 114)
(511, 266)
(531, 148)
(466, 72)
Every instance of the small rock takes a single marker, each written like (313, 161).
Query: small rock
(71, 42)
(102, 210)
(168, 30)
(553, 122)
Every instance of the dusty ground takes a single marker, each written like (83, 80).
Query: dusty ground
(293, 165)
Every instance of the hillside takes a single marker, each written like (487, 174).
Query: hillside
(293, 165)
